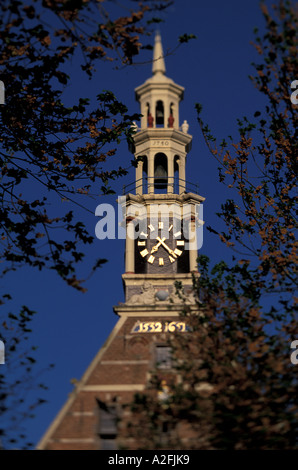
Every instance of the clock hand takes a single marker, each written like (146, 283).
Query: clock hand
(166, 247)
(155, 247)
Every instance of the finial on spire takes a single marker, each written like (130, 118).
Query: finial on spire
(158, 66)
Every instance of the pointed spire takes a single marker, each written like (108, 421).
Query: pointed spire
(158, 66)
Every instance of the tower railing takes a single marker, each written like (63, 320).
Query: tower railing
(161, 185)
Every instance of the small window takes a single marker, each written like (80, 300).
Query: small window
(107, 429)
(108, 422)
(163, 357)
(166, 432)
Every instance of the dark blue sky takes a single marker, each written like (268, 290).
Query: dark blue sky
(70, 327)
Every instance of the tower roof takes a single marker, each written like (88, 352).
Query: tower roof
(158, 78)
(158, 66)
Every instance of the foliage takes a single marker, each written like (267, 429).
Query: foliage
(18, 379)
(261, 167)
(233, 385)
(61, 148)
(52, 151)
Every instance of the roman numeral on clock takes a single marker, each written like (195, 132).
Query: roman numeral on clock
(144, 252)
(177, 234)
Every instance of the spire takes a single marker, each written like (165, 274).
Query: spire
(158, 66)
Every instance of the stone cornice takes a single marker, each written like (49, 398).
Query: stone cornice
(154, 310)
(172, 135)
(159, 83)
(146, 199)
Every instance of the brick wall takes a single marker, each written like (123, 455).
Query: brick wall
(119, 370)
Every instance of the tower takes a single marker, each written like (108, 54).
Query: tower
(160, 213)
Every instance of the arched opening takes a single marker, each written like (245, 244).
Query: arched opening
(160, 173)
(145, 174)
(176, 175)
(159, 113)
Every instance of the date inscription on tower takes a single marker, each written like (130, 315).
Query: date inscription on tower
(160, 327)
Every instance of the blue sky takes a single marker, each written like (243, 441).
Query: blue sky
(70, 326)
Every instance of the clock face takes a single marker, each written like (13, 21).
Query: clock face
(165, 244)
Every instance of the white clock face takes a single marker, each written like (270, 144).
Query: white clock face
(167, 246)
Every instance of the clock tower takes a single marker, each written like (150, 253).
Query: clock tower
(161, 216)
